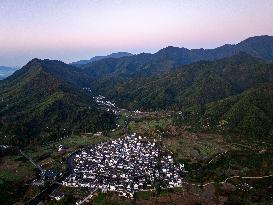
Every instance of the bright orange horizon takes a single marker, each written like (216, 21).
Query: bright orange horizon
(72, 30)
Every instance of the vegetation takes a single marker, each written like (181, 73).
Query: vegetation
(172, 57)
(38, 105)
(192, 85)
(97, 58)
(14, 173)
(230, 95)
(112, 76)
(214, 116)
(249, 114)
(109, 199)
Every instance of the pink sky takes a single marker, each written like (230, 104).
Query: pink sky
(71, 30)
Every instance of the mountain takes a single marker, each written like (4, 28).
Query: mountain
(196, 84)
(45, 98)
(259, 46)
(234, 94)
(64, 72)
(249, 114)
(6, 71)
(97, 58)
(41, 101)
(170, 58)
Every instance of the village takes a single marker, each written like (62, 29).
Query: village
(125, 165)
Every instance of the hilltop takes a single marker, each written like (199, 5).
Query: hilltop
(97, 58)
(45, 100)
(192, 88)
(170, 58)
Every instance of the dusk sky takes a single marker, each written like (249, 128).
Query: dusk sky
(70, 30)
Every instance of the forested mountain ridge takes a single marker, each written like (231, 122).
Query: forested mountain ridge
(80, 63)
(40, 101)
(231, 95)
(258, 46)
(47, 94)
(195, 84)
(172, 57)
(249, 114)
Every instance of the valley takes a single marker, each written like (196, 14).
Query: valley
(216, 168)
(136, 102)
(163, 128)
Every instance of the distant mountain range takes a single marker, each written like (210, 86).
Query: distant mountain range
(97, 58)
(227, 89)
(6, 71)
(172, 57)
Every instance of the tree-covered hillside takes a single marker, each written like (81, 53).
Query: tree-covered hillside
(169, 58)
(40, 102)
(192, 85)
(249, 114)
(46, 97)
(80, 63)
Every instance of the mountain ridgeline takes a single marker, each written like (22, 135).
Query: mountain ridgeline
(97, 58)
(43, 101)
(172, 57)
(249, 114)
(190, 80)
(194, 84)
(232, 95)
(227, 89)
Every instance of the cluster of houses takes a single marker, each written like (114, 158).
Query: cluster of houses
(125, 165)
(103, 102)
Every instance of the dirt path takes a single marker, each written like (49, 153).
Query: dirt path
(222, 182)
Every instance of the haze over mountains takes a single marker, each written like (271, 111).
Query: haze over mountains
(207, 86)
(172, 57)
(97, 58)
(6, 71)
